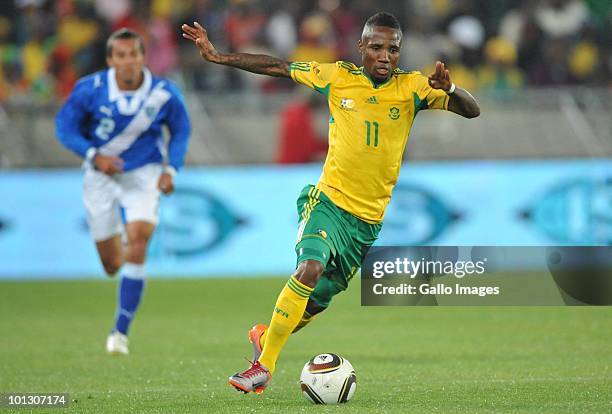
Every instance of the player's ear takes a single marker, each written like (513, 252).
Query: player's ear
(109, 61)
(360, 45)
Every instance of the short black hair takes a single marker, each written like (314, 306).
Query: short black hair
(384, 19)
(123, 33)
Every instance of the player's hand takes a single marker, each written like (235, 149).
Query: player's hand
(166, 183)
(440, 79)
(108, 165)
(198, 35)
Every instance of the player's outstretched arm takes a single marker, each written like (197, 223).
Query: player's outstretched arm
(262, 64)
(460, 101)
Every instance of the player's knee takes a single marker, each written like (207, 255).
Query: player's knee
(137, 249)
(309, 272)
(112, 266)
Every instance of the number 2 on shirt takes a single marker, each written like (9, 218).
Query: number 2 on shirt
(105, 128)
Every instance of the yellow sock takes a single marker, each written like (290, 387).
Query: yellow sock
(290, 307)
(262, 339)
(306, 319)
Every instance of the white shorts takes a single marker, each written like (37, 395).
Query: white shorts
(136, 191)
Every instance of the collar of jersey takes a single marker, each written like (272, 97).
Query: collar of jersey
(114, 93)
(374, 85)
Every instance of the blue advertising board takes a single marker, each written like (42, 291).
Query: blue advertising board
(242, 221)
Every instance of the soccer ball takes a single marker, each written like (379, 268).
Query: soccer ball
(328, 379)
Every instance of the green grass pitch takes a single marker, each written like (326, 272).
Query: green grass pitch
(190, 335)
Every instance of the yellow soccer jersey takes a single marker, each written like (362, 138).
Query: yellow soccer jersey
(368, 130)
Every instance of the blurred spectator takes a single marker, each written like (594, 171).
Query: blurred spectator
(112, 11)
(6, 52)
(298, 141)
(499, 72)
(583, 61)
(78, 32)
(199, 75)
(347, 27)
(513, 23)
(468, 32)
(422, 45)
(317, 41)
(46, 45)
(281, 30)
(162, 38)
(77, 50)
(243, 24)
(555, 70)
(435, 10)
(560, 18)
(63, 70)
(135, 19)
(531, 52)
(34, 20)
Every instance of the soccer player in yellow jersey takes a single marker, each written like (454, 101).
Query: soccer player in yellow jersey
(372, 109)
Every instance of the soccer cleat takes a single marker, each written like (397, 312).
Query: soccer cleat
(255, 339)
(255, 379)
(117, 344)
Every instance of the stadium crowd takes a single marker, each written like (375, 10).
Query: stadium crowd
(46, 45)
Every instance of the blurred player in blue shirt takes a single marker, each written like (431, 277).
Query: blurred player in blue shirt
(114, 120)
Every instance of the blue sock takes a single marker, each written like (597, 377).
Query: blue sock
(129, 295)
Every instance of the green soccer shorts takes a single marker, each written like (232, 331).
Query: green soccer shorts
(334, 237)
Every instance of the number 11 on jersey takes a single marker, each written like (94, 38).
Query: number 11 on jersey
(369, 133)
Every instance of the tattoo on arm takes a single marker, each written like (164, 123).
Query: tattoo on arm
(262, 64)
